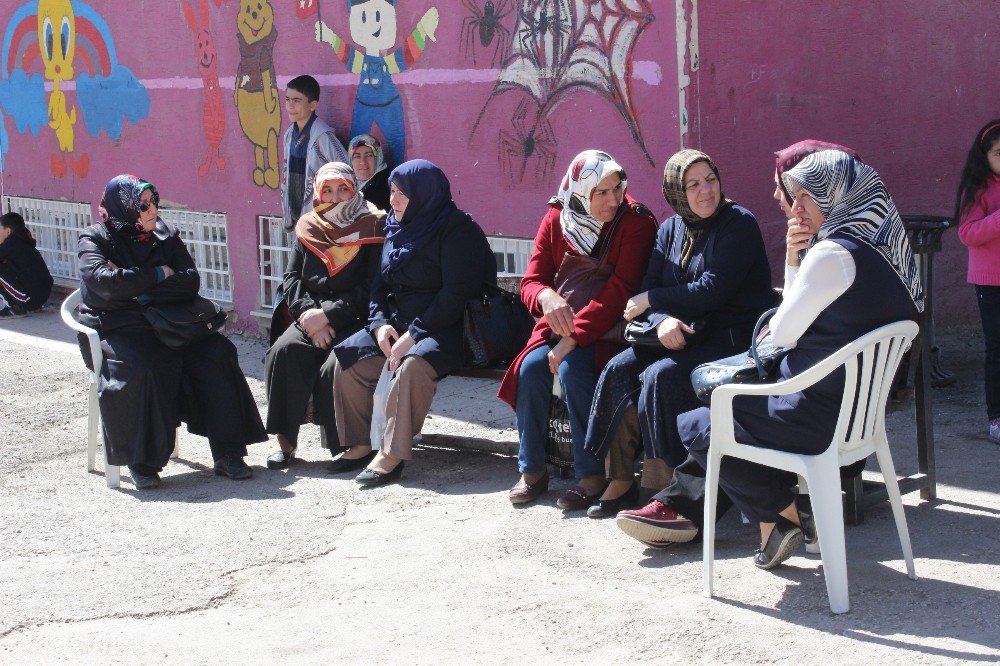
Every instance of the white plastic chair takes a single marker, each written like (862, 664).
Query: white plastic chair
(870, 363)
(111, 472)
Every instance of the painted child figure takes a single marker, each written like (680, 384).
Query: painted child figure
(373, 28)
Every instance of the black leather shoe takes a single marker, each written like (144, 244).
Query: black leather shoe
(785, 538)
(370, 478)
(281, 459)
(342, 465)
(610, 508)
(234, 467)
(144, 481)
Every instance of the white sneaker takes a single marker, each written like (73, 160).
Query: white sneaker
(995, 431)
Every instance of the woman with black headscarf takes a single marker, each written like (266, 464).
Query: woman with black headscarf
(435, 258)
(707, 282)
(145, 388)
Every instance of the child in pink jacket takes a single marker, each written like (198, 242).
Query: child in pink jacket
(978, 213)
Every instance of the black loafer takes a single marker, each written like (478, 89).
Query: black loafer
(370, 478)
(806, 519)
(610, 508)
(281, 459)
(785, 538)
(234, 467)
(342, 465)
(144, 481)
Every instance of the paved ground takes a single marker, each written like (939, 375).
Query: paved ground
(302, 567)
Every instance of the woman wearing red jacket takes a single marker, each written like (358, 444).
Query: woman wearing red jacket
(591, 211)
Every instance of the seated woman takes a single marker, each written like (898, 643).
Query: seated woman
(709, 266)
(434, 260)
(327, 284)
(25, 282)
(145, 388)
(664, 520)
(591, 214)
(368, 160)
(858, 274)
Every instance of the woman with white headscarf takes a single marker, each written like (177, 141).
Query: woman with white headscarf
(327, 284)
(590, 214)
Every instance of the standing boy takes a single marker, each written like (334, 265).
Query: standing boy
(25, 282)
(309, 144)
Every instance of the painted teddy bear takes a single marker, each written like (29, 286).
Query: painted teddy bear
(256, 94)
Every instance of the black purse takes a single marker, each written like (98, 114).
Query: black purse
(757, 365)
(640, 333)
(179, 324)
(496, 328)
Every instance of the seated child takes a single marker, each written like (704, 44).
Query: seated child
(25, 282)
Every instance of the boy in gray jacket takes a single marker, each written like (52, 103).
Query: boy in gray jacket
(309, 144)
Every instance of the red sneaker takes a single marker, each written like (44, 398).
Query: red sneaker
(657, 525)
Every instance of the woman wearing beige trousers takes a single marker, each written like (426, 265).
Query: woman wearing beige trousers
(434, 260)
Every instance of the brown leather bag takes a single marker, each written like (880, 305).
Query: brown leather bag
(580, 279)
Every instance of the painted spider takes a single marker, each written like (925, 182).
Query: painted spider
(539, 24)
(524, 143)
(486, 24)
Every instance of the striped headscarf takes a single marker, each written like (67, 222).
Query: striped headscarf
(855, 202)
(787, 158)
(588, 169)
(376, 147)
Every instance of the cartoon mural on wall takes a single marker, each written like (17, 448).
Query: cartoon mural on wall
(377, 102)
(256, 93)
(213, 114)
(66, 36)
(559, 47)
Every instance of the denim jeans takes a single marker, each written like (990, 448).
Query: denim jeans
(988, 298)
(578, 379)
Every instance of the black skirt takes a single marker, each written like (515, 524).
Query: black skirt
(146, 389)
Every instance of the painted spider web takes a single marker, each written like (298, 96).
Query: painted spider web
(565, 45)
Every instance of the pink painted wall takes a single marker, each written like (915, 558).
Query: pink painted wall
(442, 96)
(907, 89)
(907, 84)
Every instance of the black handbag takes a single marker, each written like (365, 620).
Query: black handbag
(496, 328)
(640, 333)
(757, 365)
(179, 324)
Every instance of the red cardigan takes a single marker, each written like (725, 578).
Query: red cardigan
(629, 254)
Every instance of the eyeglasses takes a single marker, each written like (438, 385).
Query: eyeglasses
(146, 205)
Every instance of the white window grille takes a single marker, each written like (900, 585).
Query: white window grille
(512, 254)
(274, 245)
(56, 226)
(206, 239)
(274, 250)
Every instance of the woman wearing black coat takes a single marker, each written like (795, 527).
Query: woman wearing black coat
(326, 288)
(707, 282)
(145, 388)
(435, 259)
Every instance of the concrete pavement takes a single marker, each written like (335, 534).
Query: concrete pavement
(300, 567)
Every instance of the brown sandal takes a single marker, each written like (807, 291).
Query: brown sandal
(577, 499)
(524, 492)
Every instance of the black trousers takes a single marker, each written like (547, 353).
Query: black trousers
(294, 371)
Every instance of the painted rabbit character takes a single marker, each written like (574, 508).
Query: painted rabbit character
(256, 94)
(213, 114)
